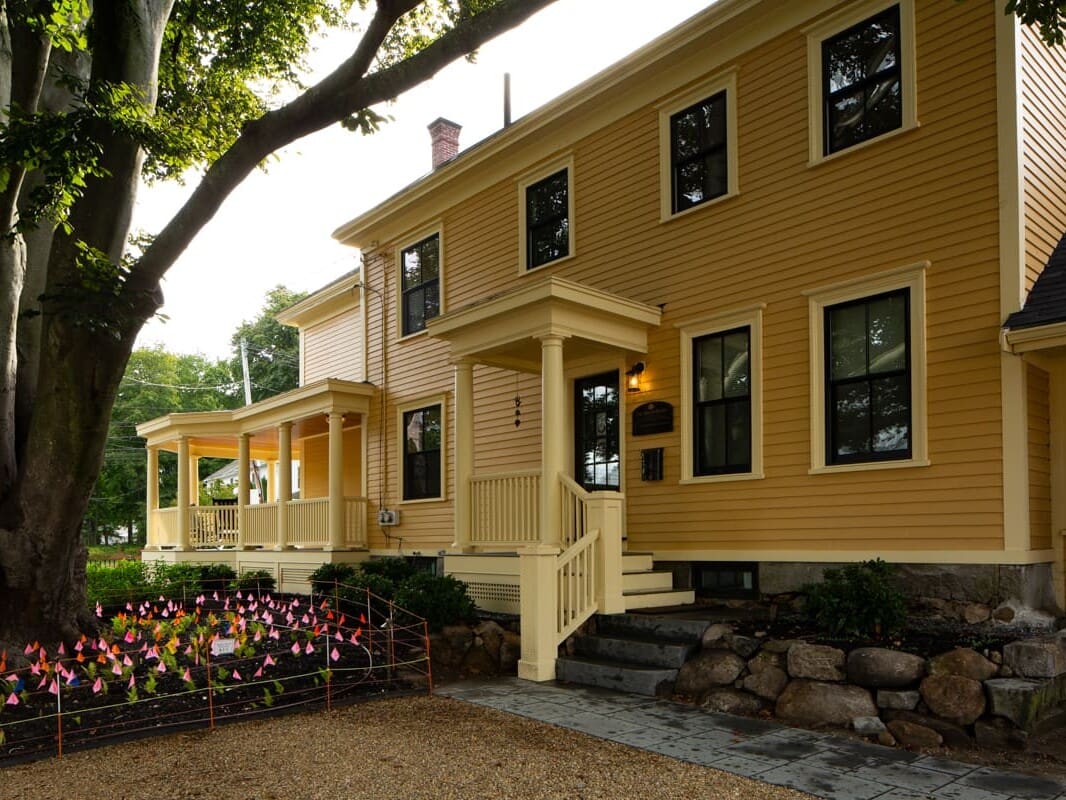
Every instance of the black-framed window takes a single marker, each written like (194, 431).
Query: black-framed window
(420, 267)
(699, 159)
(868, 379)
(721, 402)
(862, 88)
(422, 453)
(548, 219)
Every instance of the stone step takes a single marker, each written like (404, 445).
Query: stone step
(1027, 702)
(659, 653)
(641, 599)
(623, 677)
(637, 562)
(647, 580)
(647, 626)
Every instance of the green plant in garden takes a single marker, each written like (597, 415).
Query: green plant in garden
(322, 579)
(216, 576)
(441, 600)
(396, 570)
(258, 580)
(858, 600)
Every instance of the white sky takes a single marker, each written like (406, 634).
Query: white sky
(275, 228)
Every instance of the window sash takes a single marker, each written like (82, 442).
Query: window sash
(711, 159)
(421, 454)
(420, 284)
(864, 385)
(548, 233)
(734, 406)
(865, 88)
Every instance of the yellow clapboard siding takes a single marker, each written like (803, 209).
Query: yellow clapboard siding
(331, 349)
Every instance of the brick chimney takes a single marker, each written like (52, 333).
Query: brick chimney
(445, 137)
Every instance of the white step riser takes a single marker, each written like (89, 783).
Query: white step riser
(647, 581)
(657, 599)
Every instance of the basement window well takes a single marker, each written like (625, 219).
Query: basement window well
(725, 579)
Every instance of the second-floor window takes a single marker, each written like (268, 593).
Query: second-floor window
(862, 85)
(547, 219)
(420, 268)
(699, 163)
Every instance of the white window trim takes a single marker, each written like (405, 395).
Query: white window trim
(852, 14)
(750, 316)
(723, 81)
(408, 241)
(524, 183)
(401, 409)
(911, 277)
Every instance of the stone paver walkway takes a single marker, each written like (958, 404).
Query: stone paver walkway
(818, 763)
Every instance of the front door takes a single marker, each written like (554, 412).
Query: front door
(596, 432)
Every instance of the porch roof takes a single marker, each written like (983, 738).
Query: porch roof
(504, 330)
(214, 433)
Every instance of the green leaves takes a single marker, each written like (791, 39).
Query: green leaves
(1048, 15)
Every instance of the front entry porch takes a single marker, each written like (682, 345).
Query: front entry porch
(566, 542)
(321, 426)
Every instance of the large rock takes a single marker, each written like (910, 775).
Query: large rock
(1024, 701)
(764, 660)
(881, 668)
(709, 669)
(816, 662)
(715, 633)
(780, 646)
(479, 661)
(510, 653)
(896, 699)
(1036, 658)
(732, 701)
(868, 726)
(954, 697)
(997, 733)
(491, 635)
(768, 683)
(952, 734)
(818, 704)
(963, 661)
(915, 737)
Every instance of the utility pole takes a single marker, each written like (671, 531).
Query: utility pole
(248, 401)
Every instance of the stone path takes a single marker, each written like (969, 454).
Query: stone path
(821, 764)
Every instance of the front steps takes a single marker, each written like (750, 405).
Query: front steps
(645, 587)
(632, 653)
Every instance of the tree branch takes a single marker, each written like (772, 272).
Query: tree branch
(345, 91)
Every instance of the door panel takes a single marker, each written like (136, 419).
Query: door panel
(597, 432)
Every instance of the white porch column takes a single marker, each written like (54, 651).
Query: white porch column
(272, 482)
(194, 480)
(336, 481)
(151, 500)
(283, 494)
(538, 605)
(464, 451)
(244, 483)
(552, 437)
(183, 493)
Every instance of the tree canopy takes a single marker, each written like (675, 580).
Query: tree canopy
(273, 349)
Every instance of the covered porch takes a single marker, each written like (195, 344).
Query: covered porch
(321, 425)
(568, 537)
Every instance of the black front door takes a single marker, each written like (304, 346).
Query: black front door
(596, 432)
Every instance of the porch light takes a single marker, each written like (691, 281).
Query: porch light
(633, 377)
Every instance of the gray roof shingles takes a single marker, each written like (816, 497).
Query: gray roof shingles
(1046, 303)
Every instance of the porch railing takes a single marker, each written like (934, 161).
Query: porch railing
(573, 520)
(219, 526)
(505, 508)
(575, 567)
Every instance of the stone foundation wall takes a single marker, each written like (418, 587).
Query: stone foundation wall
(995, 698)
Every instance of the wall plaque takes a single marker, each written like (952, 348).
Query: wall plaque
(657, 417)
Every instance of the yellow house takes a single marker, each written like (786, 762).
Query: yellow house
(735, 306)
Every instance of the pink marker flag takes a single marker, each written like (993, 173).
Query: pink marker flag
(239, 595)
(296, 603)
(129, 637)
(129, 606)
(165, 613)
(236, 675)
(78, 647)
(306, 620)
(99, 610)
(98, 684)
(338, 635)
(296, 648)
(62, 649)
(309, 649)
(258, 636)
(161, 668)
(258, 673)
(215, 597)
(43, 655)
(354, 639)
(132, 683)
(53, 688)
(12, 700)
(127, 661)
(28, 650)
(12, 678)
(274, 634)
(187, 676)
(101, 645)
(268, 661)
(35, 669)
(43, 683)
(333, 654)
(117, 669)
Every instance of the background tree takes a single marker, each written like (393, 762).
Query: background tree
(273, 348)
(91, 95)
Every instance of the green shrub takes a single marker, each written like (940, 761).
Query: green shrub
(215, 577)
(858, 600)
(396, 570)
(258, 581)
(176, 580)
(440, 600)
(117, 581)
(322, 579)
(356, 586)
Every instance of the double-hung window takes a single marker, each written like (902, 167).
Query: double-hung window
(721, 402)
(547, 219)
(868, 379)
(699, 160)
(420, 284)
(422, 453)
(862, 75)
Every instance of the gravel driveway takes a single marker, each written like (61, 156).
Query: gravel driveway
(412, 747)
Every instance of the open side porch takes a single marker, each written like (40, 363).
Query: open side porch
(323, 425)
(563, 541)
